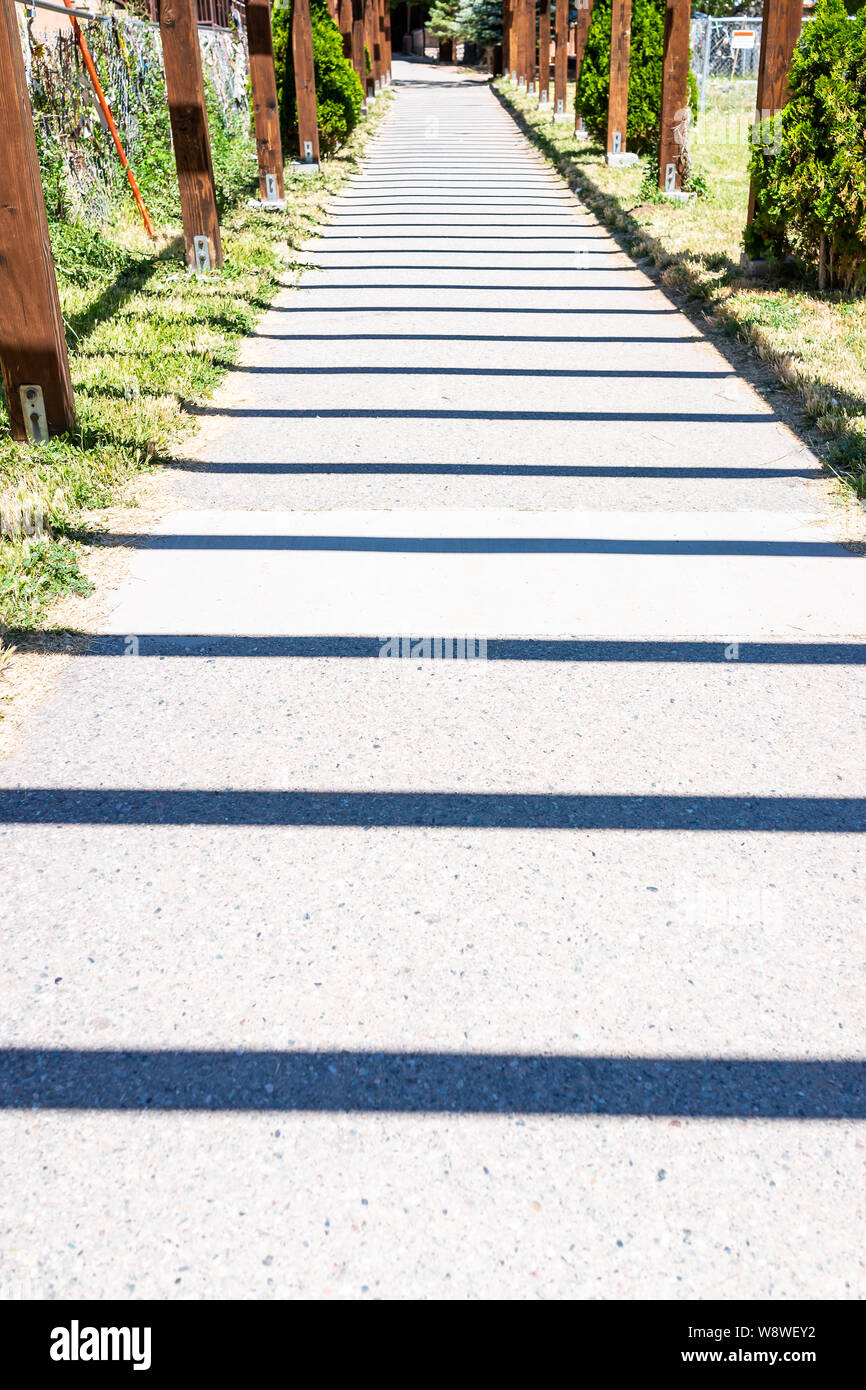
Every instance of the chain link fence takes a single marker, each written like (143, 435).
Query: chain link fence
(81, 172)
(725, 54)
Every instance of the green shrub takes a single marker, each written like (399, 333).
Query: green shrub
(810, 174)
(338, 89)
(644, 78)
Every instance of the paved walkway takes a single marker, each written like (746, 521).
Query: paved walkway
(533, 976)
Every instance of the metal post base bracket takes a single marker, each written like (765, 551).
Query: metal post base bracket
(201, 250)
(33, 409)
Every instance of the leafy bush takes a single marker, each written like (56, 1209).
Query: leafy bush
(338, 89)
(644, 78)
(810, 176)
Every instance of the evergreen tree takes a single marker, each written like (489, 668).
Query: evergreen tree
(808, 164)
(444, 19)
(644, 76)
(338, 90)
(481, 22)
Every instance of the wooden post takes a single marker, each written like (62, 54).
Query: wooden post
(181, 58)
(344, 23)
(506, 37)
(560, 60)
(544, 53)
(263, 81)
(386, 5)
(32, 341)
(305, 82)
(780, 31)
(675, 94)
(532, 48)
(620, 44)
(581, 33)
(375, 43)
(523, 42)
(380, 37)
(369, 27)
(359, 62)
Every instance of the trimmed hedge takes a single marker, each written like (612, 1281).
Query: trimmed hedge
(810, 179)
(338, 88)
(644, 78)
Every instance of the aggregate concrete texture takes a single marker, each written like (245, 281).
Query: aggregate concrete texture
(533, 976)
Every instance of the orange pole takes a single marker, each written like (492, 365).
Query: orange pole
(100, 95)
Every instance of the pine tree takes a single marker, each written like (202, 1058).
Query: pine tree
(444, 19)
(481, 22)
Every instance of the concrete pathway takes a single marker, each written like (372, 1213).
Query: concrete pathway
(539, 975)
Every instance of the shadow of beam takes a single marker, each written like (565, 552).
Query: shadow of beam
(554, 373)
(406, 1082)
(565, 339)
(474, 545)
(421, 309)
(478, 810)
(496, 470)
(497, 649)
(683, 417)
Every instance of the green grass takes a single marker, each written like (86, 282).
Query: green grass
(145, 339)
(815, 343)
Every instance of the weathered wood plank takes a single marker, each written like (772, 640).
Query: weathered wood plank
(181, 57)
(32, 341)
(620, 46)
(263, 81)
(675, 91)
(305, 82)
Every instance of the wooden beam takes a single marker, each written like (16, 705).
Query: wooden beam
(358, 30)
(581, 33)
(532, 47)
(305, 82)
(344, 24)
(184, 83)
(380, 35)
(560, 60)
(523, 8)
(675, 94)
(388, 54)
(620, 45)
(544, 53)
(780, 30)
(369, 26)
(263, 81)
(376, 43)
(32, 341)
(506, 37)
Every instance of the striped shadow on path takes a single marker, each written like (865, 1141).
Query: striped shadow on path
(458, 1082)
